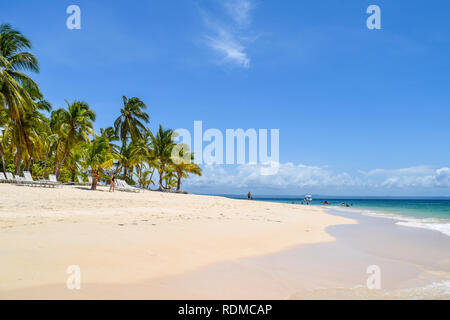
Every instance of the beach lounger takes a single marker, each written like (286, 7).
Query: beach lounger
(53, 180)
(27, 179)
(121, 185)
(81, 182)
(90, 180)
(10, 177)
(20, 180)
(3, 178)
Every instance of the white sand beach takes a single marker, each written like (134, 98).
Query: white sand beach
(126, 239)
(155, 245)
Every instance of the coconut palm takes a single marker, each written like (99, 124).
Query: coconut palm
(17, 90)
(183, 163)
(97, 156)
(76, 124)
(162, 145)
(170, 178)
(35, 127)
(132, 120)
(144, 176)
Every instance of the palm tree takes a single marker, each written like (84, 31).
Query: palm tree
(170, 178)
(162, 145)
(17, 90)
(111, 135)
(130, 124)
(144, 176)
(132, 120)
(97, 156)
(76, 124)
(35, 128)
(183, 163)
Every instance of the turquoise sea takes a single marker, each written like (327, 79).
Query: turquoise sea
(427, 213)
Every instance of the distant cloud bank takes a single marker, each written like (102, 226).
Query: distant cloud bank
(294, 176)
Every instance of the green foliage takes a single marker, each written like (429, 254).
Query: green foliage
(65, 144)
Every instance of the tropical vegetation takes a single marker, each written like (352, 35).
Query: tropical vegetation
(36, 137)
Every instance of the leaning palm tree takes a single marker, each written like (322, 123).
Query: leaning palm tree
(132, 120)
(161, 146)
(76, 124)
(18, 91)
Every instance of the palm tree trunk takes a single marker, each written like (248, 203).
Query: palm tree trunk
(160, 171)
(45, 166)
(178, 181)
(3, 160)
(61, 164)
(94, 180)
(18, 156)
(74, 170)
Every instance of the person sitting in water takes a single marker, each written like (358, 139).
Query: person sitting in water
(113, 182)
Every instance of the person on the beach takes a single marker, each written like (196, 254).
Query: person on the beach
(249, 195)
(113, 182)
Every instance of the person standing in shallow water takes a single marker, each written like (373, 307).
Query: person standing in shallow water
(113, 182)
(249, 195)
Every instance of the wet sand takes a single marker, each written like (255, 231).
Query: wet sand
(414, 264)
(131, 245)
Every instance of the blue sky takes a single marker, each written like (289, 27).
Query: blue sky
(360, 112)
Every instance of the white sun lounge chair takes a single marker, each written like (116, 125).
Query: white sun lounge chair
(22, 180)
(54, 181)
(27, 179)
(80, 181)
(90, 180)
(121, 185)
(9, 177)
(3, 178)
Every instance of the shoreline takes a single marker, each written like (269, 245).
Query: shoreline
(166, 246)
(122, 238)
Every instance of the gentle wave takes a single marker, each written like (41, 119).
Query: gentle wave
(426, 223)
(435, 290)
(441, 227)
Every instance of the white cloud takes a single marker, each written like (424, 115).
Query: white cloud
(295, 176)
(228, 36)
(240, 10)
(415, 170)
(439, 178)
(225, 44)
(289, 175)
